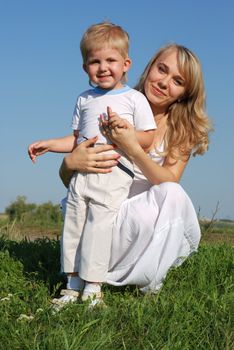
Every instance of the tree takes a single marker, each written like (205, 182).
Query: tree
(17, 209)
(46, 214)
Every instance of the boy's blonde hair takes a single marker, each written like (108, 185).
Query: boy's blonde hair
(101, 34)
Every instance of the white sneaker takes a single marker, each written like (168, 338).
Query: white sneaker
(94, 299)
(67, 296)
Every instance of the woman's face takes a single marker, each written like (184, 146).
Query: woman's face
(164, 83)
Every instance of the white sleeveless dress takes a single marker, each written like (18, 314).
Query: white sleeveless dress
(156, 229)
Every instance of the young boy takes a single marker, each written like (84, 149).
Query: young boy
(94, 199)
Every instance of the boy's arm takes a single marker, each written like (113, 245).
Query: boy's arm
(60, 145)
(145, 138)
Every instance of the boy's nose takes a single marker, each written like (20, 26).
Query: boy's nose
(102, 66)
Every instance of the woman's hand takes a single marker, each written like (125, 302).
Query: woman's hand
(88, 159)
(123, 137)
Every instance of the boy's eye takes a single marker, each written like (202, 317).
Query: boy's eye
(93, 61)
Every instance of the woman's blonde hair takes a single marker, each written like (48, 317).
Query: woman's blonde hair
(101, 34)
(188, 124)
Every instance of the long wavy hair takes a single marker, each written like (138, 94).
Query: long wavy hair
(188, 125)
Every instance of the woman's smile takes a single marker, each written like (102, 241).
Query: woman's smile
(157, 91)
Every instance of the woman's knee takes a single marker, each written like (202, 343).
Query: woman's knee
(171, 192)
(169, 188)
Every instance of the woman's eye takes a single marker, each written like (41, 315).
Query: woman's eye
(161, 69)
(179, 82)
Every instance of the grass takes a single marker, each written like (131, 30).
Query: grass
(213, 231)
(193, 310)
(218, 232)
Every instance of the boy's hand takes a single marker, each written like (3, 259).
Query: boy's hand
(37, 149)
(114, 121)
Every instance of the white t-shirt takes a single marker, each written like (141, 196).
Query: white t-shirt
(128, 103)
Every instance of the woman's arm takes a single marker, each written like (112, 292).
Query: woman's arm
(87, 159)
(171, 170)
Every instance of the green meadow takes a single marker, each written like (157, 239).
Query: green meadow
(193, 310)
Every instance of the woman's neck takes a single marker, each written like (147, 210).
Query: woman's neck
(161, 122)
(160, 119)
(159, 113)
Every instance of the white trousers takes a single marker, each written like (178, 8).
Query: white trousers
(92, 204)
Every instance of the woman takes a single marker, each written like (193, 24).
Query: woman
(157, 227)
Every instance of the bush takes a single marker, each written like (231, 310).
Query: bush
(46, 214)
(17, 209)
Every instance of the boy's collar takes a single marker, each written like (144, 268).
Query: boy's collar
(101, 91)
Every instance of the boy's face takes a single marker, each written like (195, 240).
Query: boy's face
(105, 67)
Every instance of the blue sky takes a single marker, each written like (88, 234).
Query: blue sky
(41, 76)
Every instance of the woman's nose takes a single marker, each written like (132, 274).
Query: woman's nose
(164, 82)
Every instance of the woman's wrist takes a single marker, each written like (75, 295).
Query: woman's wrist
(134, 152)
(69, 162)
